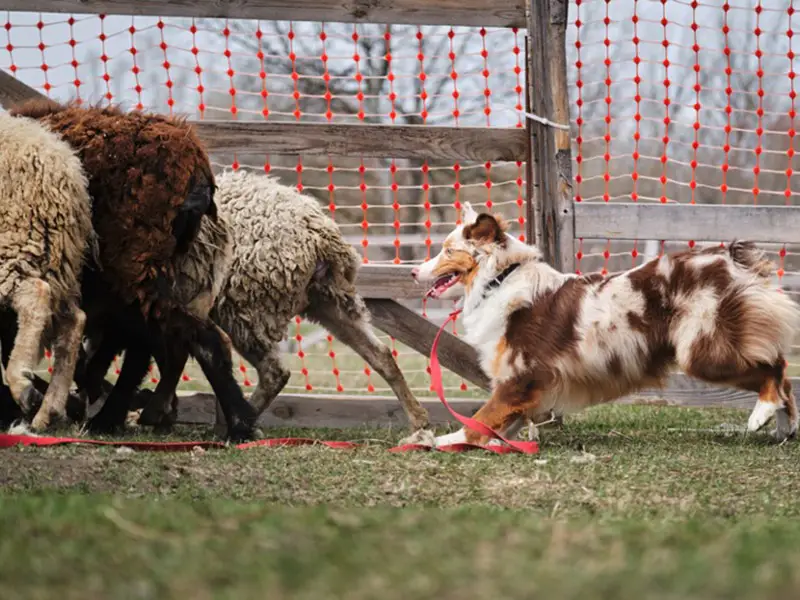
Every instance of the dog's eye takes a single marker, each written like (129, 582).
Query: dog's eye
(448, 251)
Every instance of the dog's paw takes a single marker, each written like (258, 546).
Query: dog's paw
(421, 437)
(785, 429)
(457, 437)
(761, 414)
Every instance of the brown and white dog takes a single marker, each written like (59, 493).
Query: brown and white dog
(562, 342)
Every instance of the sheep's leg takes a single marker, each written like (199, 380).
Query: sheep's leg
(69, 328)
(212, 350)
(265, 356)
(114, 412)
(354, 330)
(161, 411)
(31, 301)
(90, 376)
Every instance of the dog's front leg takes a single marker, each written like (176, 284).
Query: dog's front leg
(505, 412)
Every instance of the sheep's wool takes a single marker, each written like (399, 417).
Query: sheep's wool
(278, 235)
(45, 211)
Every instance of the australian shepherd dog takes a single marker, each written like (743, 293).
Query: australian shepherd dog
(557, 342)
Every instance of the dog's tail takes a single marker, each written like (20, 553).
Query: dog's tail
(773, 317)
(751, 258)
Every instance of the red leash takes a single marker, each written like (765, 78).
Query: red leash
(9, 441)
(469, 422)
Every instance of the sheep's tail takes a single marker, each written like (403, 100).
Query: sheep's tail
(751, 258)
(337, 268)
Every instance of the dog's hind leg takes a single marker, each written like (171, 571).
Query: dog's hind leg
(353, 328)
(31, 301)
(69, 329)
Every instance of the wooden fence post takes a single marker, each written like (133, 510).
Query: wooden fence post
(550, 152)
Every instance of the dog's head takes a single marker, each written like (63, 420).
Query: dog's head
(451, 272)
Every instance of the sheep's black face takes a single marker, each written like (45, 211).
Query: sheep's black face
(198, 203)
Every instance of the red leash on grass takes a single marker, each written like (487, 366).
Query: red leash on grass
(8, 440)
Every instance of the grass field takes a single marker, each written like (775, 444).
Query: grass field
(623, 502)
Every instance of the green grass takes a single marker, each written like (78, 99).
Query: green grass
(623, 502)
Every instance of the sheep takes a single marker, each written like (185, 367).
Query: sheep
(45, 235)
(151, 184)
(288, 258)
(200, 275)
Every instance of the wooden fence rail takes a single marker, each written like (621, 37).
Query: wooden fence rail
(478, 13)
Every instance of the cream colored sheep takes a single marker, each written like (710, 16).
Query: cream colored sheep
(45, 232)
(288, 258)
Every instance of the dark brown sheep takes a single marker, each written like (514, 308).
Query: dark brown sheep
(151, 182)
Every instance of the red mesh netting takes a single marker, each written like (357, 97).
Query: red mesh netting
(393, 211)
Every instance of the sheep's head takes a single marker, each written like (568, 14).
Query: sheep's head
(198, 203)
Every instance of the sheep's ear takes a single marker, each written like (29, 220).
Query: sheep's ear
(468, 214)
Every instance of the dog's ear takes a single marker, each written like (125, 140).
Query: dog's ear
(468, 214)
(486, 229)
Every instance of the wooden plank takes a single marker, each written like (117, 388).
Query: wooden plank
(418, 333)
(550, 146)
(477, 144)
(318, 410)
(13, 91)
(388, 281)
(498, 13)
(297, 410)
(457, 144)
(682, 222)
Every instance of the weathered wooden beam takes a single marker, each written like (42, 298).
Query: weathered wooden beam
(13, 91)
(498, 13)
(418, 333)
(396, 141)
(297, 410)
(682, 222)
(550, 146)
(477, 144)
(388, 281)
(318, 410)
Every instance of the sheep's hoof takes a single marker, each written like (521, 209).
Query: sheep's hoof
(104, 425)
(161, 423)
(241, 432)
(76, 408)
(30, 400)
(422, 437)
(46, 419)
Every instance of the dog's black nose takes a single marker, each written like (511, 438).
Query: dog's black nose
(415, 272)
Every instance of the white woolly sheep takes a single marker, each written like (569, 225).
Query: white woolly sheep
(45, 232)
(288, 258)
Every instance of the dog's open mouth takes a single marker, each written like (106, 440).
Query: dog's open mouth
(442, 284)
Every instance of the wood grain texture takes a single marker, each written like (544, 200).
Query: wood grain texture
(317, 410)
(468, 144)
(388, 141)
(498, 13)
(418, 333)
(297, 410)
(549, 146)
(13, 91)
(388, 281)
(680, 222)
